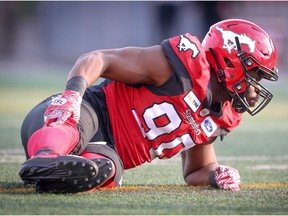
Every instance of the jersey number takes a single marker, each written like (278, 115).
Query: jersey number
(161, 119)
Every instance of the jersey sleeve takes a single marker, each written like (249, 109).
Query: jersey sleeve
(188, 60)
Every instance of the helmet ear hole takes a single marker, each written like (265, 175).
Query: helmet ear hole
(228, 63)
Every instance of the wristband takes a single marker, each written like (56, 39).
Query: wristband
(78, 84)
(212, 180)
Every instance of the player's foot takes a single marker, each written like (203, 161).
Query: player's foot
(65, 174)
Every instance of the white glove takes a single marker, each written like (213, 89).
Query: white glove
(63, 107)
(227, 178)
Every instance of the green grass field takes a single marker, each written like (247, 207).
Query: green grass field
(257, 148)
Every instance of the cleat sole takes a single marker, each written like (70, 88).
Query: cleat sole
(65, 174)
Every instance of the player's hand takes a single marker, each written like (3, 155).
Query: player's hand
(227, 178)
(63, 107)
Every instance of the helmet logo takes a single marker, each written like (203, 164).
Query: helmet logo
(229, 42)
(185, 44)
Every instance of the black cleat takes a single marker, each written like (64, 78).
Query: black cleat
(65, 174)
(105, 170)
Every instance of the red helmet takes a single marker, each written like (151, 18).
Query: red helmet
(235, 46)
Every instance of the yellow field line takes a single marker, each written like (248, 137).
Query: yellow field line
(17, 190)
(164, 187)
(265, 185)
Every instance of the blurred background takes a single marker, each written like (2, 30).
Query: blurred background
(52, 32)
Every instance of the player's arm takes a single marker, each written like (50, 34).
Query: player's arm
(130, 65)
(197, 164)
(200, 168)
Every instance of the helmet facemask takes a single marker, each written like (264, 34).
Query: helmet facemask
(239, 100)
(264, 96)
(253, 72)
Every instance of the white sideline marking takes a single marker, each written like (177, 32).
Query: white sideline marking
(252, 158)
(12, 156)
(269, 167)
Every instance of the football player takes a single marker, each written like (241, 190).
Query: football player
(155, 102)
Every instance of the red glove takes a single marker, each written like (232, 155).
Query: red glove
(227, 178)
(64, 106)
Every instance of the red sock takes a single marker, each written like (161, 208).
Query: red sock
(110, 183)
(59, 140)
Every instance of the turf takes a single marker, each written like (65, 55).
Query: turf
(258, 148)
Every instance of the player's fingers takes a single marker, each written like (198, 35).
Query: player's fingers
(48, 122)
(63, 118)
(222, 169)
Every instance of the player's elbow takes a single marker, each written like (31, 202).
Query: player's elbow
(188, 181)
(192, 180)
(89, 58)
(199, 177)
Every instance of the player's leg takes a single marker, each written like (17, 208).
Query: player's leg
(39, 140)
(33, 121)
(50, 167)
(48, 149)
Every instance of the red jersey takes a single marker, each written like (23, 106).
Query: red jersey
(149, 121)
